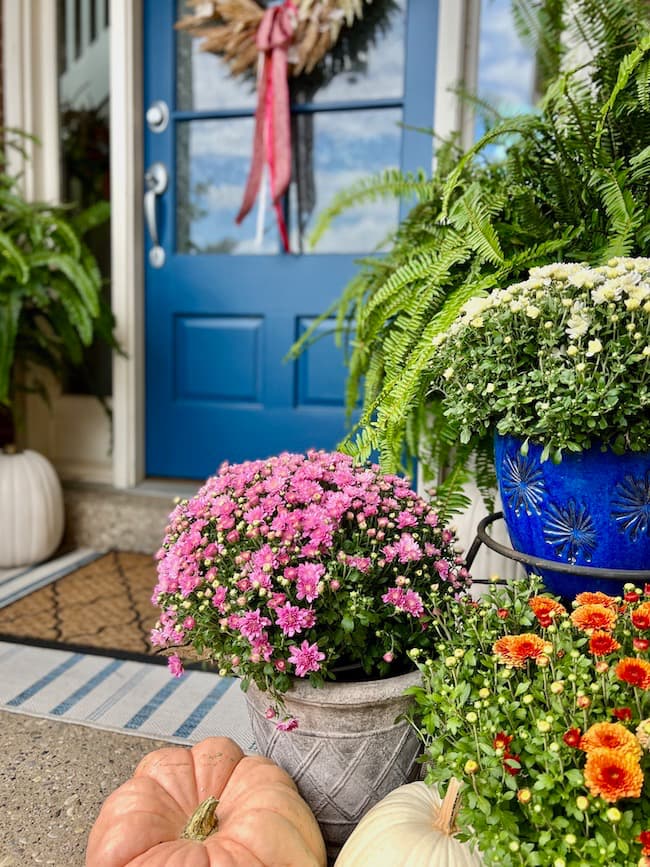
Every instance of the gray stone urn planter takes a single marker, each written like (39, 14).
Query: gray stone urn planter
(348, 751)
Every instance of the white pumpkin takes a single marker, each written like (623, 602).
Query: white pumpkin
(31, 509)
(410, 827)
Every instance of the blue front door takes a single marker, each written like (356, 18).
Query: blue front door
(223, 302)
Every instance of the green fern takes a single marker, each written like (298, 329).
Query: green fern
(574, 184)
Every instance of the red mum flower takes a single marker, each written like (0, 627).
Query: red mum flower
(631, 596)
(602, 644)
(502, 741)
(622, 713)
(502, 613)
(511, 764)
(641, 616)
(634, 671)
(644, 840)
(641, 644)
(572, 738)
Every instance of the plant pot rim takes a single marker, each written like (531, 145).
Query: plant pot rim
(360, 693)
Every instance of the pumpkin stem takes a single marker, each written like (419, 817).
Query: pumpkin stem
(203, 821)
(445, 820)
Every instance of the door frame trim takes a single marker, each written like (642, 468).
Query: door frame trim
(127, 239)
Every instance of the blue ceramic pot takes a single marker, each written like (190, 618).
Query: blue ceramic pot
(592, 509)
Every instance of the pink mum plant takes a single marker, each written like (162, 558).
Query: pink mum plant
(302, 565)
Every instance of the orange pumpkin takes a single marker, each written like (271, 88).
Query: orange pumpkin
(208, 806)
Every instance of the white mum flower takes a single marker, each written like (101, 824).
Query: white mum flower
(581, 277)
(578, 325)
(593, 348)
(474, 306)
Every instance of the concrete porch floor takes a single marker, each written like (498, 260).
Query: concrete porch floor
(54, 778)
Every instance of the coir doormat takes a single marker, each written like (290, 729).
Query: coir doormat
(103, 607)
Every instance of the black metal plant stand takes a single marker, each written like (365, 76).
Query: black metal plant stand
(482, 538)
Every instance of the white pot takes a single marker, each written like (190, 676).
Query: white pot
(31, 509)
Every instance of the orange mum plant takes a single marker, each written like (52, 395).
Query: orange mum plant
(543, 709)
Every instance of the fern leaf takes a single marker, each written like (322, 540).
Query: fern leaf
(14, 258)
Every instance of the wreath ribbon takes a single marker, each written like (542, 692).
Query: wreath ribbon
(272, 137)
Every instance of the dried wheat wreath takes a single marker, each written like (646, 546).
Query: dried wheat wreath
(229, 28)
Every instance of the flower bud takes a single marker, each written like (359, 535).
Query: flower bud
(582, 803)
(471, 767)
(614, 815)
(524, 796)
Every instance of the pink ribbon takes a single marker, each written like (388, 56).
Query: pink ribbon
(272, 138)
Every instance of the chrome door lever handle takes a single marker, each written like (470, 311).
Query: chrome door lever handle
(156, 180)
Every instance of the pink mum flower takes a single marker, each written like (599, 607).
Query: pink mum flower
(306, 658)
(309, 574)
(407, 548)
(175, 665)
(287, 725)
(292, 619)
(251, 625)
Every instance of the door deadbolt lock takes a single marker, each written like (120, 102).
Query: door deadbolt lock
(157, 116)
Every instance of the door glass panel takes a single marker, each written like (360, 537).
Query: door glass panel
(203, 80)
(366, 63)
(336, 149)
(212, 162)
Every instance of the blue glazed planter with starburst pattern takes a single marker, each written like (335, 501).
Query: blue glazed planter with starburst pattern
(591, 509)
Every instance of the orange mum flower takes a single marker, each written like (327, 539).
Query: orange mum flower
(516, 649)
(613, 774)
(634, 671)
(641, 616)
(596, 599)
(546, 609)
(601, 643)
(611, 736)
(593, 616)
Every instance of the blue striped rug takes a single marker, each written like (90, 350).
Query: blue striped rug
(16, 583)
(122, 695)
